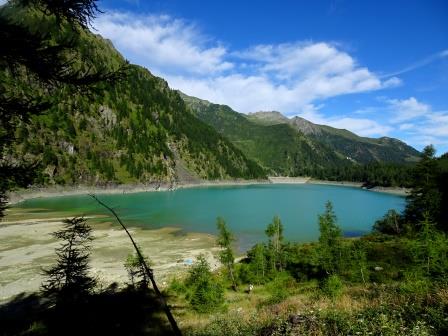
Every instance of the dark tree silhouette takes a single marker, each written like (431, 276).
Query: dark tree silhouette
(425, 197)
(68, 281)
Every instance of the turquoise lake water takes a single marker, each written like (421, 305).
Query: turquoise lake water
(246, 209)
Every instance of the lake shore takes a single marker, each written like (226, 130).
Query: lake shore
(57, 191)
(21, 195)
(27, 247)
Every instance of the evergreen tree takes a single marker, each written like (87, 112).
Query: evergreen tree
(274, 231)
(391, 223)
(430, 248)
(226, 256)
(330, 249)
(425, 197)
(68, 281)
(206, 293)
(136, 271)
(259, 262)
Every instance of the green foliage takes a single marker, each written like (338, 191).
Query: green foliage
(280, 287)
(274, 231)
(177, 287)
(430, 249)
(414, 283)
(123, 131)
(333, 286)
(226, 256)
(228, 324)
(285, 149)
(391, 223)
(205, 293)
(330, 249)
(359, 268)
(259, 263)
(136, 270)
(429, 192)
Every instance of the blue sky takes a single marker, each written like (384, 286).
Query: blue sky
(377, 68)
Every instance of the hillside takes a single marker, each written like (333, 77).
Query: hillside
(136, 130)
(276, 146)
(291, 145)
(360, 149)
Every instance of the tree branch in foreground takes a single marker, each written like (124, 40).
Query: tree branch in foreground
(148, 270)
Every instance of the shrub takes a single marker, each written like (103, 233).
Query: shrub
(332, 287)
(206, 294)
(280, 287)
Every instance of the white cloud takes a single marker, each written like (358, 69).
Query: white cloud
(405, 127)
(360, 126)
(407, 109)
(421, 63)
(162, 43)
(418, 122)
(285, 77)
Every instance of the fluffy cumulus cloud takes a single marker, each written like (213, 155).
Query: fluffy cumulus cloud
(165, 44)
(407, 109)
(418, 122)
(284, 77)
(361, 126)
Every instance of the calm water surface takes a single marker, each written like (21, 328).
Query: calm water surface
(246, 209)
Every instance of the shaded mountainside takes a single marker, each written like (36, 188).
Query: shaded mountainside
(291, 146)
(134, 130)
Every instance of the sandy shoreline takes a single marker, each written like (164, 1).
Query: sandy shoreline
(27, 247)
(56, 191)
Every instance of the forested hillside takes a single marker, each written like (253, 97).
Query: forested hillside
(118, 131)
(298, 147)
(278, 147)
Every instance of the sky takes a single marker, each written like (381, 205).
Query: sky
(377, 68)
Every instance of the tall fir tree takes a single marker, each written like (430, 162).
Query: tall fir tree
(226, 255)
(330, 249)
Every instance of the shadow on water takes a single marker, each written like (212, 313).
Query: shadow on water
(114, 311)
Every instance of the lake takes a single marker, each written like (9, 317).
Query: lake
(246, 209)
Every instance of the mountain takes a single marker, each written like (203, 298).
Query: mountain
(360, 149)
(296, 146)
(133, 130)
(278, 147)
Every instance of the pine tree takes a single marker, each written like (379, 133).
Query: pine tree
(425, 197)
(330, 248)
(68, 281)
(430, 248)
(136, 270)
(259, 262)
(274, 231)
(206, 293)
(226, 256)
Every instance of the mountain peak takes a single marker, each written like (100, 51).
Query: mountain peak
(268, 117)
(305, 126)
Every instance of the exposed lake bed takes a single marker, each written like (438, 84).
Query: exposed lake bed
(27, 247)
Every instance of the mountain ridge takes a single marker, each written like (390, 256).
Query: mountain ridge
(264, 136)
